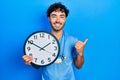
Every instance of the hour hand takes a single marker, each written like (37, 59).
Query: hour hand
(45, 46)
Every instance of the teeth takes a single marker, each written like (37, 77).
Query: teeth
(57, 25)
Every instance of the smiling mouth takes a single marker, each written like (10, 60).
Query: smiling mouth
(57, 24)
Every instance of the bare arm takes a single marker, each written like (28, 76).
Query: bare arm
(79, 60)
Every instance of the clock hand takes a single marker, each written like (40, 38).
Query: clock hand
(46, 46)
(40, 47)
(36, 45)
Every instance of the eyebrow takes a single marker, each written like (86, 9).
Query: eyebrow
(62, 15)
(56, 15)
(53, 14)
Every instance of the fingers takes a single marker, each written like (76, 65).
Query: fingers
(80, 44)
(27, 59)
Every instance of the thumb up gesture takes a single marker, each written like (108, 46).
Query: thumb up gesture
(80, 46)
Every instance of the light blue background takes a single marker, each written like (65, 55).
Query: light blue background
(97, 20)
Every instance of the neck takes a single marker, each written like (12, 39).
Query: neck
(57, 34)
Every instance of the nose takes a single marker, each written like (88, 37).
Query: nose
(58, 19)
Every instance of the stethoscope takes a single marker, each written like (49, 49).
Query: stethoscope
(63, 39)
(61, 56)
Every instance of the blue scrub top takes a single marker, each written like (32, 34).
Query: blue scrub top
(64, 70)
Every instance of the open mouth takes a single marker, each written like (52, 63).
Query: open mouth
(57, 24)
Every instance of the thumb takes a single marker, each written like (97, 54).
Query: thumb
(85, 41)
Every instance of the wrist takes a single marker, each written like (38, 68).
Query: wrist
(80, 54)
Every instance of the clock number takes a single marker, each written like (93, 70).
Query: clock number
(55, 48)
(42, 62)
(53, 42)
(53, 54)
(42, 35)
(48, 36)
(30, 54)
(30, 42)
(35, 59)
(49, 59)
(35, 36)
(28, 48)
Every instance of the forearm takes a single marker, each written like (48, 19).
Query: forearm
(79, 60)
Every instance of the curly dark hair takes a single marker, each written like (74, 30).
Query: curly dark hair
(57, 6)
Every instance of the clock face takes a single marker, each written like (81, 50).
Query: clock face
(43, 46)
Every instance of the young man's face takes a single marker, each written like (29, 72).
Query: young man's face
(57, 20)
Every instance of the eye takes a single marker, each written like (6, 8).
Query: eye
(62, 16)
(53, 16)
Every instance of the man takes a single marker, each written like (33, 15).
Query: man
(71, 52)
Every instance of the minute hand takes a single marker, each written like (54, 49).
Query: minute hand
(36, 45)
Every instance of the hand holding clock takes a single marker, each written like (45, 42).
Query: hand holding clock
(27, 59)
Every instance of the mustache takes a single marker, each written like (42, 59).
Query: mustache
(58, 23)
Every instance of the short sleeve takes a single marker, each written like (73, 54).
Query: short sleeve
(74, 53)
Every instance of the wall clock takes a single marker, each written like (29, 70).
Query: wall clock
(43, 47)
